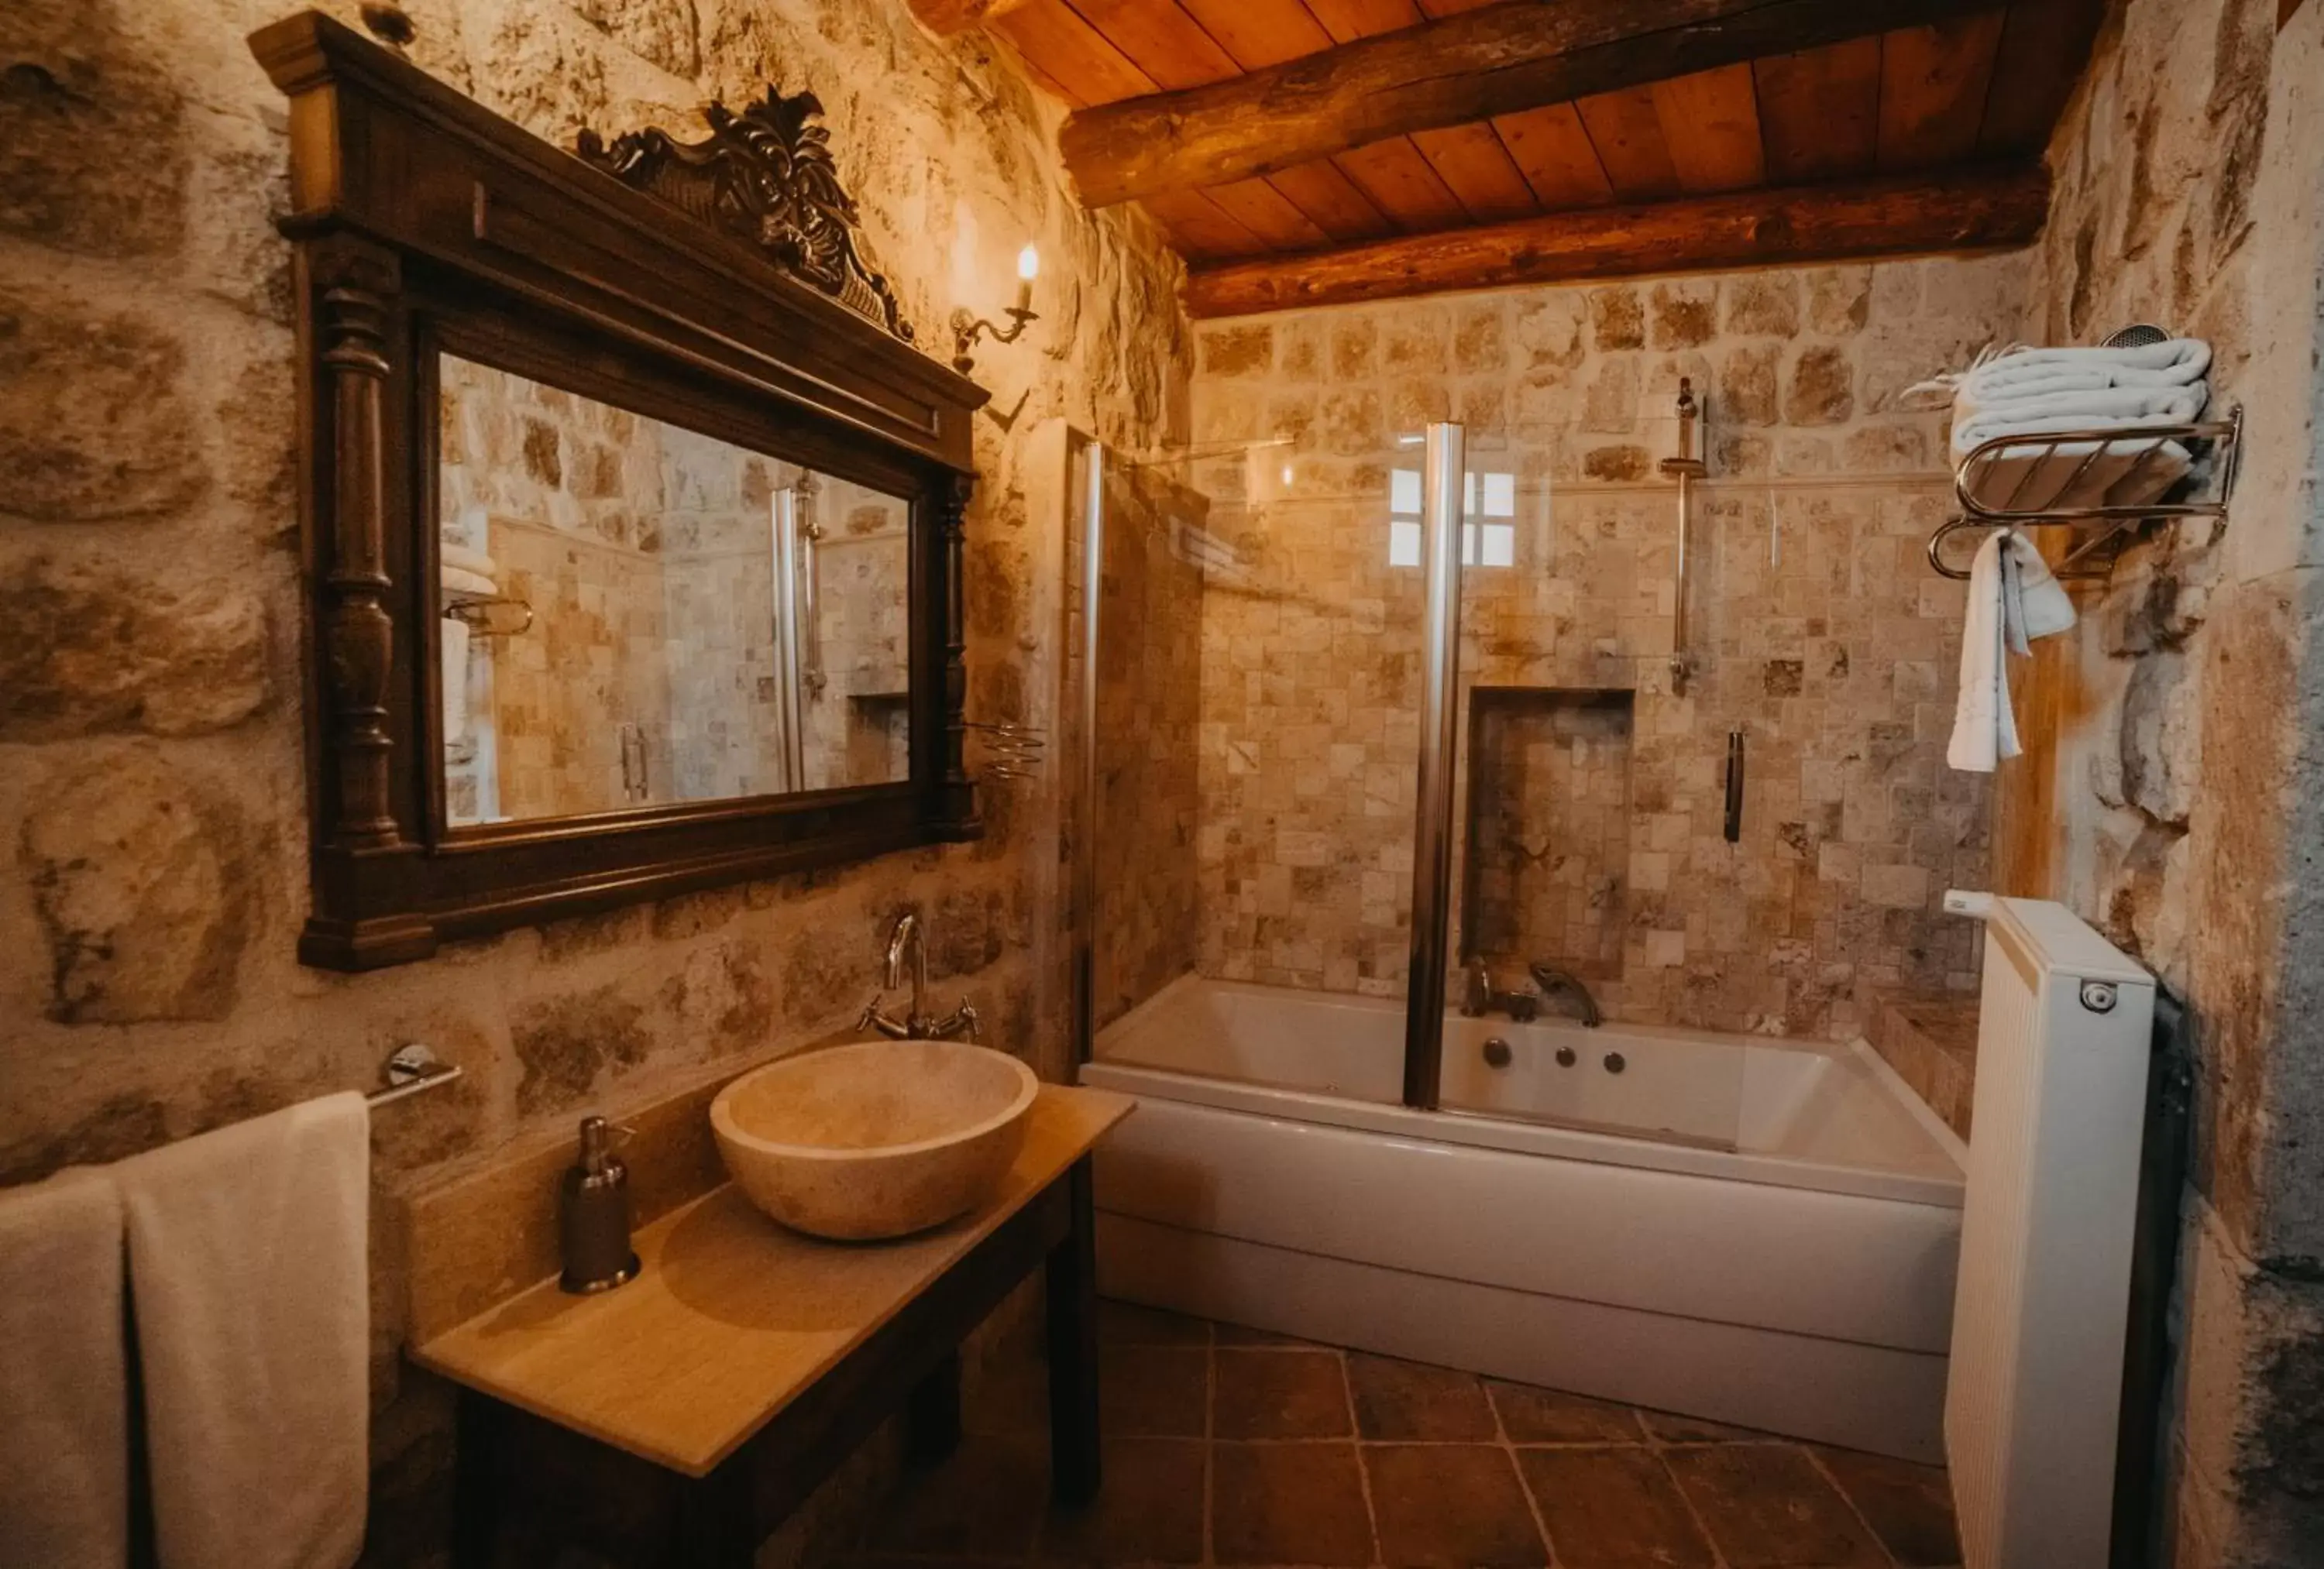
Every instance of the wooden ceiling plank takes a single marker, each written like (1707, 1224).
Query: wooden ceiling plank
(1332, 201)
(2044, 45)
(1711, 124)
(1498, 59)
(1348, 20)
(1553, 150)
(1967, 209)
(1933, 82)
(1477, 168)
(1200, 228)
(1258, 206)
(1627, 131)
(1402, 185)
(1261, 33)
(1161, 40)
(1052, 36)
(1820, 111)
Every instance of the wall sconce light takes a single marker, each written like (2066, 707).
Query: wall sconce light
(966, 330)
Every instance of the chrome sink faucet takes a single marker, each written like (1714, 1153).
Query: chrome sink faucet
(906, 938)
(1551, 980)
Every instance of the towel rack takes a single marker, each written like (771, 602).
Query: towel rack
(2226, 434)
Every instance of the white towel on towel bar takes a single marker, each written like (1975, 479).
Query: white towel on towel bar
(64, 1443)
(2013, 599)
(249, 1270)
(460, 558)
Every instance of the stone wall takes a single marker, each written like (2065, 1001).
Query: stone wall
(2171, 796)
(1818, 630)
(150, 731)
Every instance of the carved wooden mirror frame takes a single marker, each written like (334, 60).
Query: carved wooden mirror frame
(715, 286)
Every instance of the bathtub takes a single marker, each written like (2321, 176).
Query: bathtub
(1756, 1231)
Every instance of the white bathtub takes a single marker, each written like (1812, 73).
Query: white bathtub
(1757, 1231)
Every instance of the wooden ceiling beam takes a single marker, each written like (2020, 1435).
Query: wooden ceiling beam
(1974, 208)
(1501, 59)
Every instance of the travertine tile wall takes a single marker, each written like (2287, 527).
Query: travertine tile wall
(1548, 870)
(1819, 631)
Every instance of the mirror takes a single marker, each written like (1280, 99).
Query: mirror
(631, 515)
(635, 614)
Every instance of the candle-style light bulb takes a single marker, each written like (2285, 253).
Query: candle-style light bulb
(1028, 267)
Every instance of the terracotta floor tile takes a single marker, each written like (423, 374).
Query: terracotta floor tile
(1910, 1507)
(1768, 1507)
(986, 1500)
(1153, 1392)
(1450, 1506)
(1289, 1503)
(1613, 1509)
(1129, 1324)
(1410, 1400)
(1671, 1427)
(1536, 1415)
(1279, 1394)
(1009, 1395)
(1148, 1512)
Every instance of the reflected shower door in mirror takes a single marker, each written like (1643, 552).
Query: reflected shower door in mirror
(636, 614)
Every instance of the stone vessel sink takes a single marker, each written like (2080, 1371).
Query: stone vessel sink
(878, 1139)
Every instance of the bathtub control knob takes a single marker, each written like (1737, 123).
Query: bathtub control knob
(1565, 1056)
(1616, 1062)
(1497, 1052)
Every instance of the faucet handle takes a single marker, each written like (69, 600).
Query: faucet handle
(964, 1018)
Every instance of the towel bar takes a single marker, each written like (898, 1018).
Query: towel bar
(2226, 434)
(412, 1068)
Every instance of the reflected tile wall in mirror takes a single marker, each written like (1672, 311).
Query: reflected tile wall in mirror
(637, 614)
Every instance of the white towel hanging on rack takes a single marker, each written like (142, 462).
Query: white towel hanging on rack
(2013, 599)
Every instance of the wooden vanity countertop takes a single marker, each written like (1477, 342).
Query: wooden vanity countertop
(732, 1316)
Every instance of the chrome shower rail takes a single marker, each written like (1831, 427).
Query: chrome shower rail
(2226, 434)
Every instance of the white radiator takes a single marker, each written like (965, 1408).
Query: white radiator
(2036, 1384)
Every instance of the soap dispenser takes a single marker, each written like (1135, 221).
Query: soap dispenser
(592, 1229)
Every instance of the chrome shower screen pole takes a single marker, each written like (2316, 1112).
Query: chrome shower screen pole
(1086, 787)
(1443, 469)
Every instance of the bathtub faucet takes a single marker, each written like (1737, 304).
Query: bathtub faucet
(1480, 996)
(1551, 980)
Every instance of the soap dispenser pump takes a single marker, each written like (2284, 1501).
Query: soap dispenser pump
(592, 1229)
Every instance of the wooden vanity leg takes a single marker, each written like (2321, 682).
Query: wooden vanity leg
(932, 1414)
(714, 1526)
(476, 1481)
(1073, 1346)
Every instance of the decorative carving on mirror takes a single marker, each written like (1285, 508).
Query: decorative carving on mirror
(544, 401)
(766, 174)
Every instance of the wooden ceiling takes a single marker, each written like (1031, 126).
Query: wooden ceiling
(1299, 150)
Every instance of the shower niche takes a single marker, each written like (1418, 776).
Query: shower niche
(1549, 856)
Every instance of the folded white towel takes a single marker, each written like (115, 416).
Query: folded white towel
(2104, 408)
(64, 1440)
(469, 584)
(2013, 599)
(2020, 370)
(460, 558)
(453, 633)
(248, 1269)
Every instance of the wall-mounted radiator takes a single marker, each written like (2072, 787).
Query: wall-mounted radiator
(2034, 1392)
